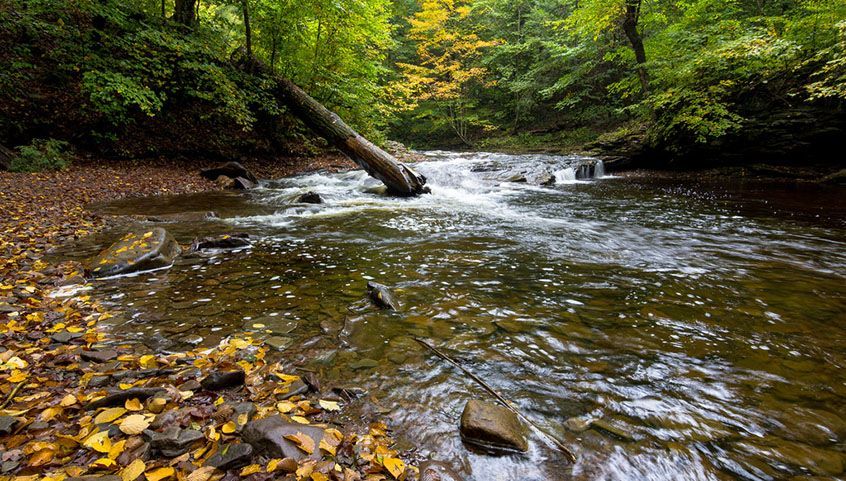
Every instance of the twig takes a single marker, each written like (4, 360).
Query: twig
(11, 395)
(549, 437)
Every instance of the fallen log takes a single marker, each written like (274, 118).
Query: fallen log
(398, 177)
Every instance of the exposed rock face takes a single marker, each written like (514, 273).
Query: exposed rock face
(267, 436)
(136, 252)
(437, 471)
(233, 241)
(491, 426)
(309, 198)
(233, 170)
(382, 296)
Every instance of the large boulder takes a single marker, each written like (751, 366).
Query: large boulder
(267, 436)
(491, 426)
(136, 252)
(233, 170)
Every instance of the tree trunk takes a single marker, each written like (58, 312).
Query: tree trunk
(184, 12)
(248, 33)
(630, 22)
(398, 177)
(6, 157)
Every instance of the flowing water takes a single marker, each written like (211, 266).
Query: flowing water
(704, 323)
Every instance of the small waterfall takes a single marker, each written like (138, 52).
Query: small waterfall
(599, 169)
(565, 175)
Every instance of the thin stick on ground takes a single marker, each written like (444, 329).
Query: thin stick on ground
(549, 437)
(11, 395)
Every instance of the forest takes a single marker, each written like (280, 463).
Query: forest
(680, 82)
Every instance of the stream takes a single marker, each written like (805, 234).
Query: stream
(704, 321)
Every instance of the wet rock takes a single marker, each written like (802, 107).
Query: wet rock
(240, 183)
(437, 471)
(98, 381)
(232, 456)
(381, 296)
(612, 427)
(267, 437)
(546, 179)
(157, 342)
(517, 178)
(117, 398)
(173, 441)
(196, 216)
(233, 170)
(100, 355)
(229, 241)
(222, 380)
(349, 393)
(578, 424)
(491, 426)
(309, 198)
(280, 343)
(7, 424)
(296, 388)
(136, 252)
(65, 337)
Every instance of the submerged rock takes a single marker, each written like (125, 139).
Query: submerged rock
(382, 296)
(233, 170)
(99, 355)
(309, 197)
(267, 436)
(491, 426)
(546, 179)
(196, 216)
(437, 471)
(228, 241)
(136, 252)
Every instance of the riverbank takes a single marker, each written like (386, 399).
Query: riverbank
(76, 401)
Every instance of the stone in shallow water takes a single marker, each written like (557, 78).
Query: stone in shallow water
(437, 471)
(227, 241)
(136, 252)
(382, 296)
(280, 343)
(222, 380)
(491, 426)
(99, 355)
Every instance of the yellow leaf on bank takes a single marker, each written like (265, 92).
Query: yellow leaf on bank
(200, 474)
(117, 449)
(251, 469)
(273, 464)
(132, 471)
(219, 401)
(133, 404)
(285, 406)
(300, 419)
(104, 463)
(99, 442)
(157, 405)
(134, 424)
(50, 413)
(160, 474)
(303, 441)
(17, 376)
(394, 466)
(109, 415)
(68, 400)
(318, 476)
(327, 447)
(228, 428)
(148, 361)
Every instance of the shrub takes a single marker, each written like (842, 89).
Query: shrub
(41, 154)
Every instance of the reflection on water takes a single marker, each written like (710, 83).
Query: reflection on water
(705, 323)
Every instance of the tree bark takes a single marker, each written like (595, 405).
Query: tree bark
(398, 177)
(6, 157)
(630, 22)
(248, 33)
(184, 12)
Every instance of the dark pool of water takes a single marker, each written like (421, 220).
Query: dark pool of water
(705, 320)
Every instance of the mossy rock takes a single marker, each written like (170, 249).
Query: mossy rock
(136, 252)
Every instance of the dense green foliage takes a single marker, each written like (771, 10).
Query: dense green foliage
(41, 154)
(138, 77)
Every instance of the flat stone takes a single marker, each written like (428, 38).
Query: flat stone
(612, 428)
(65, 337)
(267, 437)
(437, 471)
(232, 456)
(491, 426)
(7, 424)
(100, 355)
(136, 252)
(117, 398)
(295, 389)
(222, 380)
(173, 441)
(365, 363)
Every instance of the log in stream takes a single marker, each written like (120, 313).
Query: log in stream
(399, 178)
